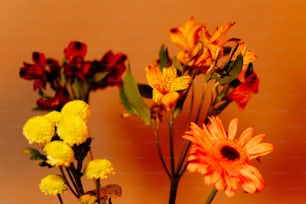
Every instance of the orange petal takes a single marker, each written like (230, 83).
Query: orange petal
(232, 129)
(216, 128)
(245, 136)
(153, 75)
(258, 150)
(254, 141)
(169, 100)
(252, 178)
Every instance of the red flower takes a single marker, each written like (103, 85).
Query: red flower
(242, 93)
(113, 65)
(75, 49)
(36, 71)
(76, 66)
(55, 103)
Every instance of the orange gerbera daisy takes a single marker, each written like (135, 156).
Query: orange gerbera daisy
(166, 84)
(223, 160)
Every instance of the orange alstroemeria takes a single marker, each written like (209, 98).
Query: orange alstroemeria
(200, 48)
(215, 42)
(165, 84)
(186, 36)
(225, 161)
(242, 93)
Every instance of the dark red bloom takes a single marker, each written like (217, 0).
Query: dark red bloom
(55, 103)
(113, 65)
(75, 49)
(242, 93)
(76, 66)
(36, 71)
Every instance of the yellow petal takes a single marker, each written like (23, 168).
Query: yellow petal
(180, 83)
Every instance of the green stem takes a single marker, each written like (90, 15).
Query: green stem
(211, 196)
(98, 187)
(201, 103)
(160, 154)
(60, 199)
(174, 181)
(72, 179)
(171, 140)
(68, 183)
(77, 179)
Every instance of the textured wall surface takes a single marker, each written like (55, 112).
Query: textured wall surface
(274, 29)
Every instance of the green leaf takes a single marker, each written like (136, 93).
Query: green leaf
(76, 87)
(177, 65)
(34, 154)
(163, 57)
(145, 90)
(232, 70)
(99, 76)
(132, 100)
(236, 66)
(179, 105)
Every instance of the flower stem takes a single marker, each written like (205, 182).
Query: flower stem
(211, 196)
(67, 182)
(171, 140)
(174, 181)
(98, 187)
(60, 199)
(160, 154)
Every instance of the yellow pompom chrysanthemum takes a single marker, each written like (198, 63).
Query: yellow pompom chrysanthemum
(72, 129)
(59, 153)
(88, 199)
(39, 130)
(77, 108)
(99, 168)
(54, 116)
(52, 185)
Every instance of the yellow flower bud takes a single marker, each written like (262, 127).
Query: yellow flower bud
(54, 116)
(59, 153)
(39, 130)
(77, 108)
(72, 129)
(99, 168)
(88, 199)
(52, 185)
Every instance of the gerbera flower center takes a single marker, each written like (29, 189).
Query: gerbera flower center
(230, 153)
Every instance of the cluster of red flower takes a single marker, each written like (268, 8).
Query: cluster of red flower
(75, 77)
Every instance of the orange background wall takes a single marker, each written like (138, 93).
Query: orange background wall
(274, 29)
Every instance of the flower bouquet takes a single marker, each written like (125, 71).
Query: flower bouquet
(217, 69)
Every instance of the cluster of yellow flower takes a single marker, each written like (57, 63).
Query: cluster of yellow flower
(65, 141)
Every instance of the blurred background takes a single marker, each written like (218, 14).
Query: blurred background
(274, 29)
